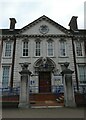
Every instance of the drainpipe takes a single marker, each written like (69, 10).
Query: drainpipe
(85, 46)
(74, 27)
(76, 73)
(1, 48)
(12, 28)
(13, 61)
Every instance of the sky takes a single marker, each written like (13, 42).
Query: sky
(26, 11)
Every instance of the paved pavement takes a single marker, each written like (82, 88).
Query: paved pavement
(60, 112)
(0, 113)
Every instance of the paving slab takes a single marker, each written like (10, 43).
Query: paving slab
(60, 112)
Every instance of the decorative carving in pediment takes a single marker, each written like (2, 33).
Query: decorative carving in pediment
(44, 64)
(43, 29)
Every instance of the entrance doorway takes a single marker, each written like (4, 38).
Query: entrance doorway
(44, 82)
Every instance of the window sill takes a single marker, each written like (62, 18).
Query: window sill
(25, 57)
(46, 56)
(80, 56)
(82, 84)
(7, 57)
(63, 57)
(37, 56)
(51, 56)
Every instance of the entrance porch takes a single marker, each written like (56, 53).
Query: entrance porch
(43, 74)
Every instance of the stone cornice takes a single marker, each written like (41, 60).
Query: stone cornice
(41, 36)
(44, 36)
(83, 37)
(7, 37)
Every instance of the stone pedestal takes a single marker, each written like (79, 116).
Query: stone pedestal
(24, 87)
(69, 98)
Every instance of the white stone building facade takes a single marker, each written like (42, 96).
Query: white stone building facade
(46, 46)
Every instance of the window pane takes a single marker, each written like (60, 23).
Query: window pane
(25, 48)
(37, 51)
(8, 49)
(50, 48)
(62, 48)
(5, 77)
(79, 49)
(82, 74)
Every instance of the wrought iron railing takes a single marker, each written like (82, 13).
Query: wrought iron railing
(82, 88)
(35, 89)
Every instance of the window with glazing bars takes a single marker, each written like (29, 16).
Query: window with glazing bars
(62, 48)
(5, 76)
(79, 48)
(25, 48)
(8, 49)
(50, 48)
(37, 51)
(82, 74)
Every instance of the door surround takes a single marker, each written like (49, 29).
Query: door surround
(43, 67)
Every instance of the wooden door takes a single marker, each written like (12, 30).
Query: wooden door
(44, 82)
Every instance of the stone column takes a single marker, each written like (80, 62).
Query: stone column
(69, 98)
(24, 87)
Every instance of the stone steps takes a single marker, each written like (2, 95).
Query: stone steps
(46, 100)
(43, 97)
(47, 103)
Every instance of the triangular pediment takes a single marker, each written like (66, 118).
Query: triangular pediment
(42, 26)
